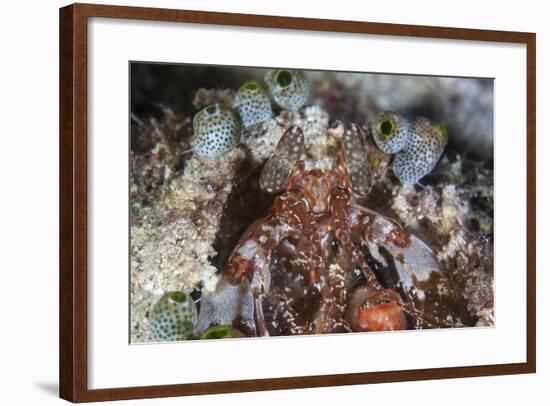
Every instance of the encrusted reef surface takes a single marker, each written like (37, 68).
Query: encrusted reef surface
(188, 211)
(172, 238)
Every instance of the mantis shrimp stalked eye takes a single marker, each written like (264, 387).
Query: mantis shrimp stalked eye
(279, 167)
(418, 144)
(252, 103)
(355, 152)
(174, 317)
(289, 88)
(216, 130)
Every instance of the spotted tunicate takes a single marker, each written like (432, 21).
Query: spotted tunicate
(390, 132)
(252, 103)
(173, 317)
(289, 88)
(216, 130)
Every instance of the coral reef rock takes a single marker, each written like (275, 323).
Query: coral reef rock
(172, 239)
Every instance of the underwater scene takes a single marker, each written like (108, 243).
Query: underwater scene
(278, 202)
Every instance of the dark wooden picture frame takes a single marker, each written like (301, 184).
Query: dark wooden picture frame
(73, 201)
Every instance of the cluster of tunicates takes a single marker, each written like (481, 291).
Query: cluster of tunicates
(174, 318)
(218, 129)
(416, 142)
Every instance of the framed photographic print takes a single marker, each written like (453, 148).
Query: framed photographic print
(255, 202)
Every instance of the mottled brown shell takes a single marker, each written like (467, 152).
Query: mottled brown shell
(279, 167)
(355, 153)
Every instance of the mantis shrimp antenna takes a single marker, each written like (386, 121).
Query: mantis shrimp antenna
(280, 165)
(355, 154)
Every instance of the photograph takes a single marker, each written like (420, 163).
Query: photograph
(272, 203)
(277, 202)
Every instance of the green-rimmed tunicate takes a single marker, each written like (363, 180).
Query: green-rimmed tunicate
(216, 130)
(417, 144)
(390, 132)
(289, 88)
(173, 317)
(221, 332)
(252, 103)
